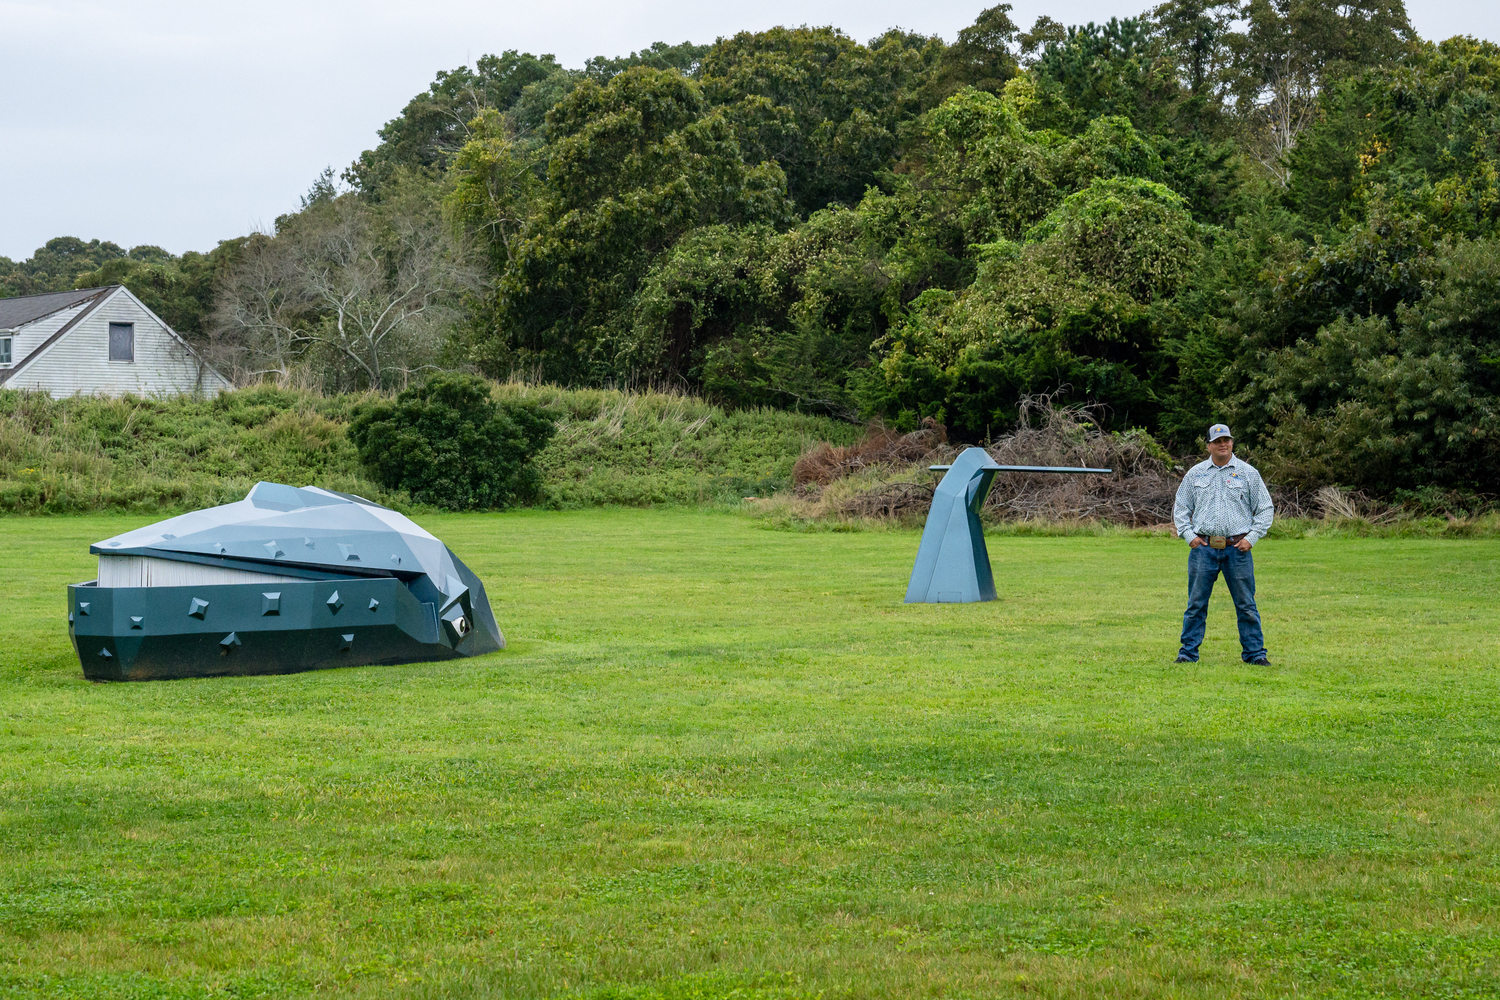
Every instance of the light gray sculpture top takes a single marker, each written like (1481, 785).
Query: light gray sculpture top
(953, 565)
(301, 532)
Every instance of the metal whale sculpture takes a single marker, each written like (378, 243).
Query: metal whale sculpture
(953, 564)
(287, 579)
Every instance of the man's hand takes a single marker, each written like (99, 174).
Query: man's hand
(1197, 541)
(1243, 545)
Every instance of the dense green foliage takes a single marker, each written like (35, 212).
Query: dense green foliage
(53, 267)
(1166, 215)
(168, 455)
(1280, 213)
(636, 164)
(718, 762)
(448, 443)
(178, 289)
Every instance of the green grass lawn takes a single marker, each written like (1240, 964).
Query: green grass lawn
(720, 758)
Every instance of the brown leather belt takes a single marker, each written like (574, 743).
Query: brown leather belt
(1224, 541)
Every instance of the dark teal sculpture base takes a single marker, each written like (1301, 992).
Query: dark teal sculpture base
(161, 633)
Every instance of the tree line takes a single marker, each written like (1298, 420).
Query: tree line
(1279, 213)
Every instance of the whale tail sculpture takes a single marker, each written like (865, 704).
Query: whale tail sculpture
(953, 564)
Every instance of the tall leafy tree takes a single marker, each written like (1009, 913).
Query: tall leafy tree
(1200, 39)
(1044, 31)
(496, 193)
(54, 266)
(1075, 307)
(752, 316)
(434, 125)
(633, 166)
(1115, 68)
(1398, 391)
(1422, 136)
(684, 57)
(180, 290)
(983, 56)
(824, 108)
(1292, 49)
(1024, 263)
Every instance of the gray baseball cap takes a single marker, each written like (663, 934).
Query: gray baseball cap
(1219, 431)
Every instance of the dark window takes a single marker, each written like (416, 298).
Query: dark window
(4, 350)
(122, 341)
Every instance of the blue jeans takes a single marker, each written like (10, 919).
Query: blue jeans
(1204, 566)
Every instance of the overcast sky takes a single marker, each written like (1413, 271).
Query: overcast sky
(180, 124)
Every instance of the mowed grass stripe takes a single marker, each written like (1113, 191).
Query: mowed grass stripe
(718, 751)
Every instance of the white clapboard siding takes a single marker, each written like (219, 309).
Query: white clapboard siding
(79, 361)
(147, 571)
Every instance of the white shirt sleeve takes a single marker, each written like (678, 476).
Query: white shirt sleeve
(1182, 509)
(1262, 510)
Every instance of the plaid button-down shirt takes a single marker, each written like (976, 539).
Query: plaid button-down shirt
(1229, 499)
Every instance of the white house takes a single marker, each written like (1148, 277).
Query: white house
(96, 340)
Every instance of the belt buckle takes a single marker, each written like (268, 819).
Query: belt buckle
(1217, 541)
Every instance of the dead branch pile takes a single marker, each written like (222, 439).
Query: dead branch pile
(881, 448)
(1138, 492)
(890, 500)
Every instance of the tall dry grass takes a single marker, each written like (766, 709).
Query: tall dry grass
(658, 446)
(145, 454)
(164, 455)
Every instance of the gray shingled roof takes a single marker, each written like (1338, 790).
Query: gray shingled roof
(24, 309)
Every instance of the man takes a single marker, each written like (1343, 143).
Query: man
(1222, 509)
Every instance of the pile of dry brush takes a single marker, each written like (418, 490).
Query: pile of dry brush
(881, 449)
(1139, 491)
